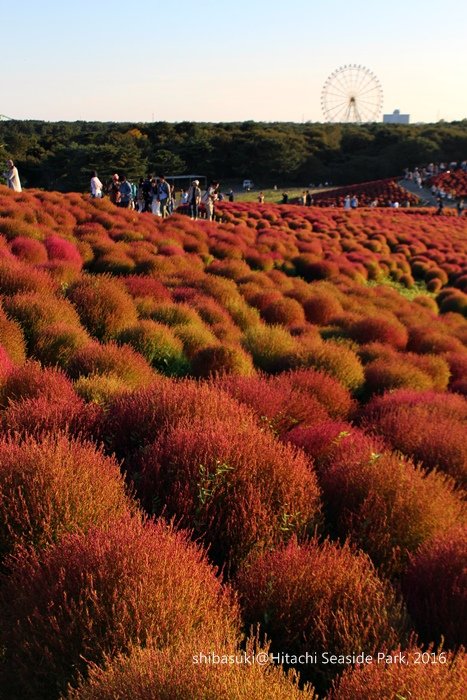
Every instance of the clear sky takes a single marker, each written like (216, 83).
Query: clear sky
(214, 60)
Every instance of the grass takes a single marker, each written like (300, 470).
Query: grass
(272, 196)
(418, 289)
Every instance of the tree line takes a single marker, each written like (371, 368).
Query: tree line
(61, 155)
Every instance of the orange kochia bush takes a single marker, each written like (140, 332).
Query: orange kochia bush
(383, 502)
(55, 485)
(151, 673)
(100, 593)
(428, 426)
(432, 680)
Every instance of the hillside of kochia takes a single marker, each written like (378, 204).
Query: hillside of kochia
(210, 426)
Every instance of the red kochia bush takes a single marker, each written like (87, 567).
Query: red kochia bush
(435, 584)
(105, 307)
(387, 505)
(413, 679)
(134, 420)
(40, 415)
(276, 400)
(29, 250)
(319, 598)
(439, 404)
(55, 485)
(321, 308)
(232, 483)
(6, 365)
(100, 593)
(31, 381)
(60, 249)
(320, 441)
(141, 287)
(432, 435)
(147, 674)
(333, 395)
(16, 277)
(380, 329)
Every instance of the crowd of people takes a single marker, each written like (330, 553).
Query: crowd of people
(158, 196)
(421, 175)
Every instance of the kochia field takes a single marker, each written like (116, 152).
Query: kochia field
(240, 440)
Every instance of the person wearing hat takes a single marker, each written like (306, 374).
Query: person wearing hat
(11, 176)
(194, 198)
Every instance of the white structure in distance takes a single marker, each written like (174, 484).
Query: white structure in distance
(396, 118)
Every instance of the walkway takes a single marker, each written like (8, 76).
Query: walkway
(427, 199)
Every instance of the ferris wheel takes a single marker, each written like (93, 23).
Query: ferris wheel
(352, 94)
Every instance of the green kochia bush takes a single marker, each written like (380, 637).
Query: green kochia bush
(157, 343)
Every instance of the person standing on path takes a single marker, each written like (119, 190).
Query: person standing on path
(125, 193)
(460, 207)
(114, 190)
(96, 186)
(12, 177)
(209, 198)
(194, 198)
(163, 195)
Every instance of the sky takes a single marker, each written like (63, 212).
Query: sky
(213, 60)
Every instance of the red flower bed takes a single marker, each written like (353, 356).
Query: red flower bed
(383, 191)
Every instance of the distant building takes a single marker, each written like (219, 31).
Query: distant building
(396, 118)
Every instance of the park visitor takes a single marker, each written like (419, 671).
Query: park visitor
(96, 186)
(163, 195)
(125, 193)
(194, 199)
(114, 189)
(12, 177)
(209, 197)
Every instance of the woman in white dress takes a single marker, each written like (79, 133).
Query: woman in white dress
(96, 186)
(11, 176)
